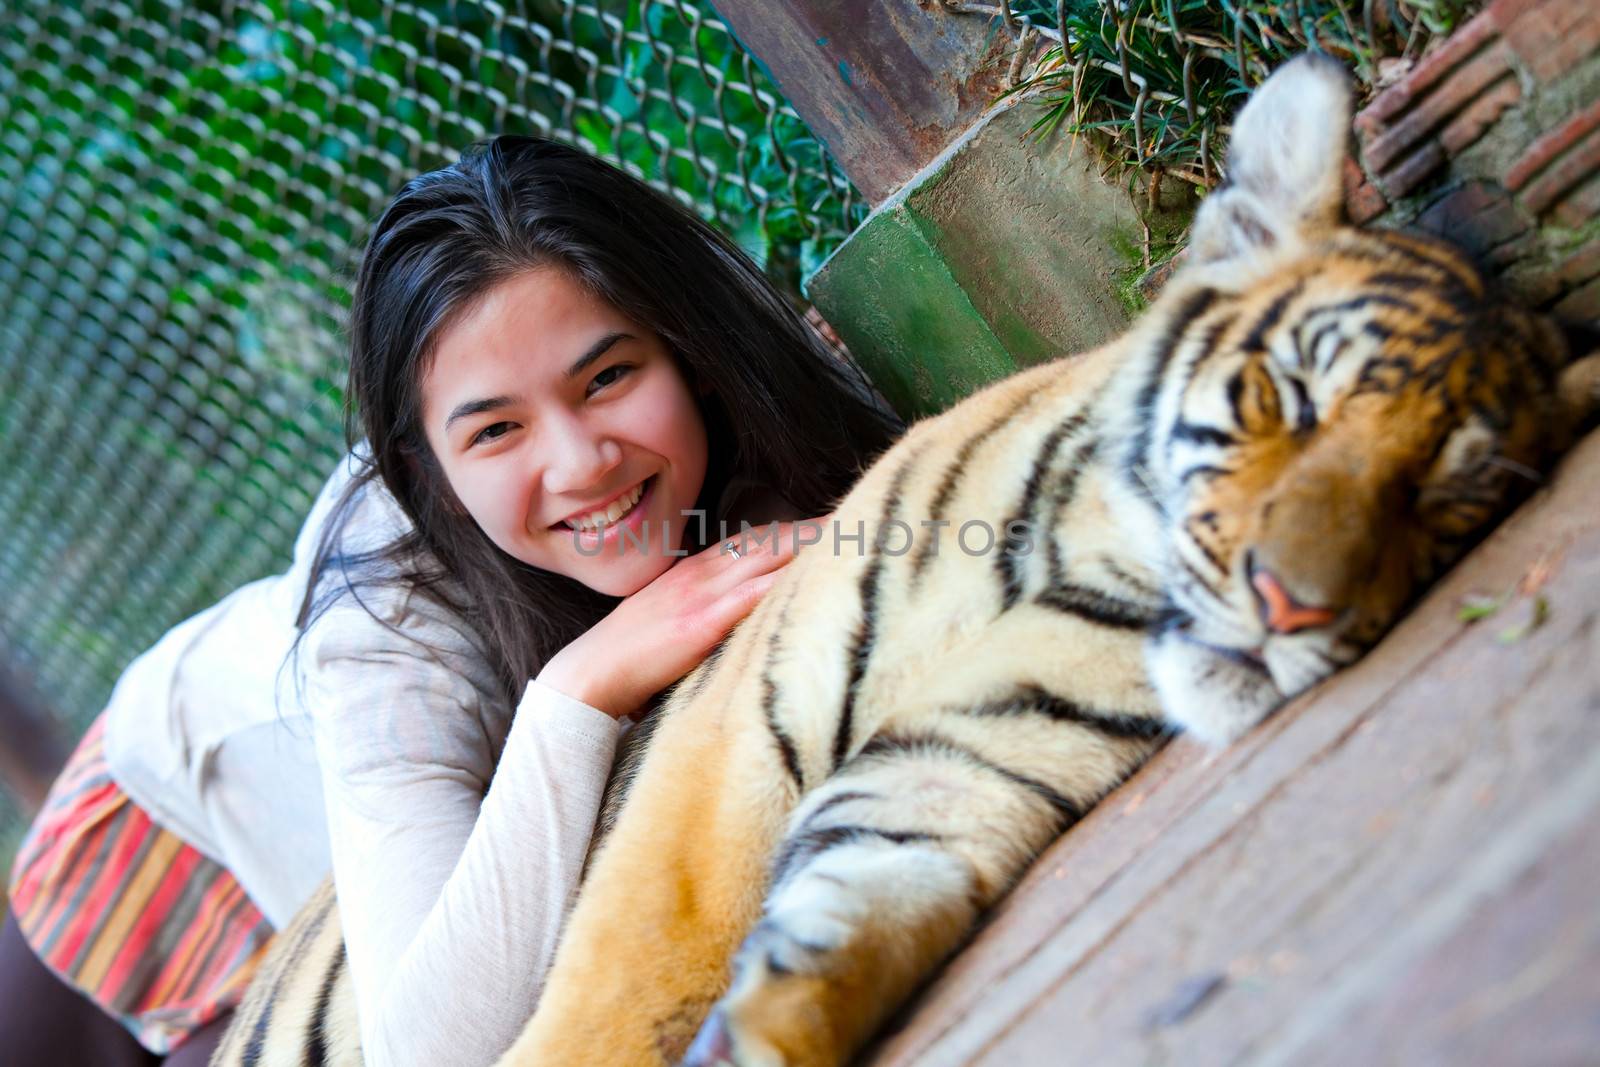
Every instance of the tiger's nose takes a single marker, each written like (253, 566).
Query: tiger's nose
(1282, 613)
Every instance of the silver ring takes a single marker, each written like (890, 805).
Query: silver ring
(728, 547)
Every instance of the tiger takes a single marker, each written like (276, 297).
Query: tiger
(1191, 524)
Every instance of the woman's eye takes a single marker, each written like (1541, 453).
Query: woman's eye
(612, 374)
(491, 432)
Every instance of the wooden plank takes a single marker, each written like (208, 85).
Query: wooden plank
(1260, 902)
(1520, 974)
(886, 86)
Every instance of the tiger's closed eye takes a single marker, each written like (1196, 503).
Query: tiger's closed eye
(1305, 412)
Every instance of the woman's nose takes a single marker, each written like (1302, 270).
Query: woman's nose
(579, 459)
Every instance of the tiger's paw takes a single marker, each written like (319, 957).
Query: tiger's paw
(716, 1046)
(774, 1015)
(1216, 694)
(858, 914)
(789, 1004)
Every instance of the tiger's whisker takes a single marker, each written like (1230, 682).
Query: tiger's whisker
(1144, 479)
(1517, 468)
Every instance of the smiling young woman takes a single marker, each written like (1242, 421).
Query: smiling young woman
(550, 363)
(560, 423)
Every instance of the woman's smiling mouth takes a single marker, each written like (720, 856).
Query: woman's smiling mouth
(597, 519)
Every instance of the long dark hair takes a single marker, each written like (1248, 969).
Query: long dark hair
(782, 409)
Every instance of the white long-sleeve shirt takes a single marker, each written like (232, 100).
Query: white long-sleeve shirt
(451, 891)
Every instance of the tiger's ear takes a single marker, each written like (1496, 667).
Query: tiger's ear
(1578, 390)
(1284, 172)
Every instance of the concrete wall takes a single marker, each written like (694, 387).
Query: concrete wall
(988, 249)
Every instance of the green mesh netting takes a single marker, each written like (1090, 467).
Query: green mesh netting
(184, 188)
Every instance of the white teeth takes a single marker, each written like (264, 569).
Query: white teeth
(617, 508)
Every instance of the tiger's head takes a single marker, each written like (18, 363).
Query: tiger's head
(1334, 416)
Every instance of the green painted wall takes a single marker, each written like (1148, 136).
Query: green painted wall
(1004, 252)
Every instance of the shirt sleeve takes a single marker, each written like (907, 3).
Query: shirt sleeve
(452, 887)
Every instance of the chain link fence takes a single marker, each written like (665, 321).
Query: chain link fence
(1157, 81)
(1154, 84)
(184, 189)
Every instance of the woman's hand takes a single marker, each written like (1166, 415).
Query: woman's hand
(660, 633)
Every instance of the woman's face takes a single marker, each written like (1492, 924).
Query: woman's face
(567, 431)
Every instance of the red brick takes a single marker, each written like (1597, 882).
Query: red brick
(1472, 123)
(1557, 180)
(1580, 266)
(1540, 288)
(1429, 111)
(1542, 151)
(1578, 271)
(1481, 217)
(1504, 12)
(1581, 206)
(1583, 305)
(1503, 256)
(1549, 36)
(1409, 173)
(1351, 174)
(1461, 45)
(1363, 201)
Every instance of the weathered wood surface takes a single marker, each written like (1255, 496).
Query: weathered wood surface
(1400, 867)
(887, 85)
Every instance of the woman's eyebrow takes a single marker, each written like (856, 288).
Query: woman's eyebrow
(596, 350)
(477, 407)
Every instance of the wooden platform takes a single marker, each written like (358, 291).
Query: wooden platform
(1401, 867)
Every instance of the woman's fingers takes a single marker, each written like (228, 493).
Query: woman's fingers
(748, 593)
(741, 600)
(674, 621)
(738, 559)
(774, 541)
(748, 568)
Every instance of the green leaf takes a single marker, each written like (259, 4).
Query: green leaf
(1538, 612)
(1478, 606)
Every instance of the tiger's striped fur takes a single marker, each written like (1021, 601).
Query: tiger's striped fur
(1221, 507)
(301, 1007)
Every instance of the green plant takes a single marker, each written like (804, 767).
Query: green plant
(1155, 82)
(184, 189)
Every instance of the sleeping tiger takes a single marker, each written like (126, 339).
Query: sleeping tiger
(1193, 523)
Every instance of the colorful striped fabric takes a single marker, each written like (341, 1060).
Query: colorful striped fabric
(155, 933)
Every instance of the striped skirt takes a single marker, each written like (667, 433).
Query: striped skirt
(159, 936)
